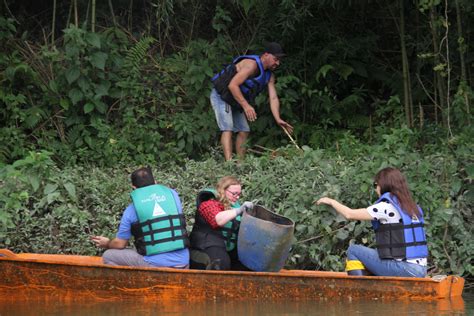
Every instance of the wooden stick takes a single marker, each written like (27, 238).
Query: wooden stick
(255, 151)
(264, 148)
(291, 138)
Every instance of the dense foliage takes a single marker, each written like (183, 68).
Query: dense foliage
(128, 81)
(90, 90)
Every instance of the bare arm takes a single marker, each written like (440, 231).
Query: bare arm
(224, 217)
(275, 105)
(245, 69)
(349, 213)
(106, 243)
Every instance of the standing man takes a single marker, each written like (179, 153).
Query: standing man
(234, 92)
(155, 219)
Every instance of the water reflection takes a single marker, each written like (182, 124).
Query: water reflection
(321, 307)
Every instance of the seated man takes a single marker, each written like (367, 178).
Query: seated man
(156, 221)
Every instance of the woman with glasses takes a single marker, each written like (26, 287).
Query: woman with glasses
(214, 235)
(398, 223)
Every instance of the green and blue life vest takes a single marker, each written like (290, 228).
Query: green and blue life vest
(160, 227)
(250, 88)
(406, 240)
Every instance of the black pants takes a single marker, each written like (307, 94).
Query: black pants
(217, 259)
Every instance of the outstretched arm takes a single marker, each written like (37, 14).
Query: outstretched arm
(223, 217)
(106, 243)
(349, 213)
(275, 105)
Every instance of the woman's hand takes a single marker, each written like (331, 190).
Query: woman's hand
(246, 206)
(325, 200)
(347, 212)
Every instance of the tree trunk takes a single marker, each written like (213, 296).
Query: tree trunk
(406, 70)
(462, 45)
(93, 16)
(76, 14)
(53, 24)
(130, 17)
(448, 69)
(438, 79)
(112, 13)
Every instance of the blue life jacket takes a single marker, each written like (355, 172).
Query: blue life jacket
(406, 240)
(160, 227)
(250, 88)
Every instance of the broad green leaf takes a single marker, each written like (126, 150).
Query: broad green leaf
(247, 5)
(84, 84)
(53, 85)
(75, 95)
(102, 88)
(342, 234)
(323, 71)
(209, 72)
(93, 39)
(35, 183)
(64, 103)
(456, 186)
(52, 197)
(71, 190)
(98, 60)
(72, 74)
(344, 71)
(470, 171)
(50, 188)
(88, 107)
(100, 106)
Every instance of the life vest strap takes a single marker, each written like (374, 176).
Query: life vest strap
(400, 245)
(164, 218)
(183, 237)
(399, 226)
(231, 232)
(172, 228)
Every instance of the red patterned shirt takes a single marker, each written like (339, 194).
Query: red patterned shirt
(209, 209)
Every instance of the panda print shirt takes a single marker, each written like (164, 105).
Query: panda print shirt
(386, 213)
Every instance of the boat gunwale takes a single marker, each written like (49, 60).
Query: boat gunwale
(281, 273)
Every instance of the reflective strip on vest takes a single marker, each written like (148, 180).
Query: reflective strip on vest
(161, 225)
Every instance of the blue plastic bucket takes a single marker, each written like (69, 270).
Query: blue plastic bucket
(264, 240)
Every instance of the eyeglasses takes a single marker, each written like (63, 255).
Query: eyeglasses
(375, 185)
(236, 194)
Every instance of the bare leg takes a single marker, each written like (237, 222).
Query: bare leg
(240, 144)
(226, 141)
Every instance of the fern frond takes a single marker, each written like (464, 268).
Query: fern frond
(136, 54)
(33, 116)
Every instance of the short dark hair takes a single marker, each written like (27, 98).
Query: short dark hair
(142, 177)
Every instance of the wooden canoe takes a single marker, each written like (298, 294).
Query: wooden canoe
(68, 277)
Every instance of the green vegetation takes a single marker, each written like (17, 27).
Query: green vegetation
(91, 90)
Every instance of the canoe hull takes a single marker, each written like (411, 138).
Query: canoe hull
(77, 277)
